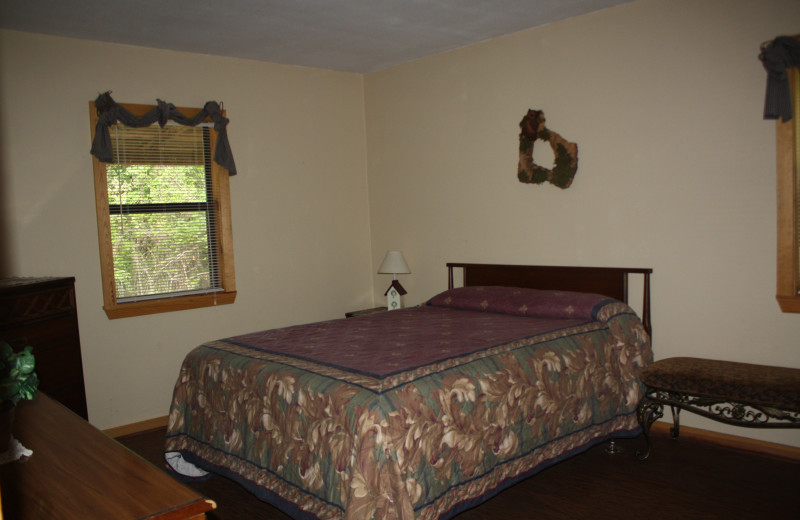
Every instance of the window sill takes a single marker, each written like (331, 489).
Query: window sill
(789, 303)
(179, 303)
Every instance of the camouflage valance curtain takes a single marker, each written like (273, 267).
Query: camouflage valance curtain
(777, 56)
(109, 112)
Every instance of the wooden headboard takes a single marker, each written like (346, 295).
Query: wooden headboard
(608, 281)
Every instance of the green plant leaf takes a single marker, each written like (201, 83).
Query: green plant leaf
(17, 378)
(27, 388)
(25, 361)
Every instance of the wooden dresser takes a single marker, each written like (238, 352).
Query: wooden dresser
(77, 472)
(41, 312)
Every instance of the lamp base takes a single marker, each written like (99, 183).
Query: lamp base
(394, 296)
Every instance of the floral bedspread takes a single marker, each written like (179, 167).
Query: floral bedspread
(416, 413)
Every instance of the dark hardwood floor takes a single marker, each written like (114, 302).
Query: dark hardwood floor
(683, 479)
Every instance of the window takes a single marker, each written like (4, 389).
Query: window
(163, 218)
(788, 148)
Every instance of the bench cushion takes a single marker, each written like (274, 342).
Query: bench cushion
(775, 387)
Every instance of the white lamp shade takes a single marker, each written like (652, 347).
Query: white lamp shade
(394, 263)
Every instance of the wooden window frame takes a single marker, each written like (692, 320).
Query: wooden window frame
(221, 192)
(787, 134)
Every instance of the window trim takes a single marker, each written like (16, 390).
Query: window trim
(221, 191)
(787, 170)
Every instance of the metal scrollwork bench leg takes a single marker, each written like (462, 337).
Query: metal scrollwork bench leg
(676, 422)
(647, 413)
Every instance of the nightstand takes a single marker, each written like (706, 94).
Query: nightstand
(355, 314)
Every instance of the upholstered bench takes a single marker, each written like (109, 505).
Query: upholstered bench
(741, 394)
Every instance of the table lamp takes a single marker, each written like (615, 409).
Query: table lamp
(394, 264)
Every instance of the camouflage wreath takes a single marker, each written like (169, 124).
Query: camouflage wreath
(566, 153)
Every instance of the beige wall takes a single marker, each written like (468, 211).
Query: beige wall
(676, 172)
(676, 166)
(299, 202)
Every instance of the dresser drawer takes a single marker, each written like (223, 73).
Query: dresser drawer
(23, 307)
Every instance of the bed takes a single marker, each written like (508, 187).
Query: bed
(424, 412)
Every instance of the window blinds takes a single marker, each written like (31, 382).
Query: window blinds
(161, 211)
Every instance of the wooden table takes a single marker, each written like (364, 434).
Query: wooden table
(78, 472)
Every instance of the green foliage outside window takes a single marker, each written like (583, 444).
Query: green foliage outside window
(149, 184)
(159, 229)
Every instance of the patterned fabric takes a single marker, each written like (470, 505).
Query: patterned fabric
(523, 302)
(418, 413)
(776, 387)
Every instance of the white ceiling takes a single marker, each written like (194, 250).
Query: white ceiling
(347, 35)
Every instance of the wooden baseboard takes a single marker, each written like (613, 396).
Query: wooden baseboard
(730, 441)
(139, 427)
